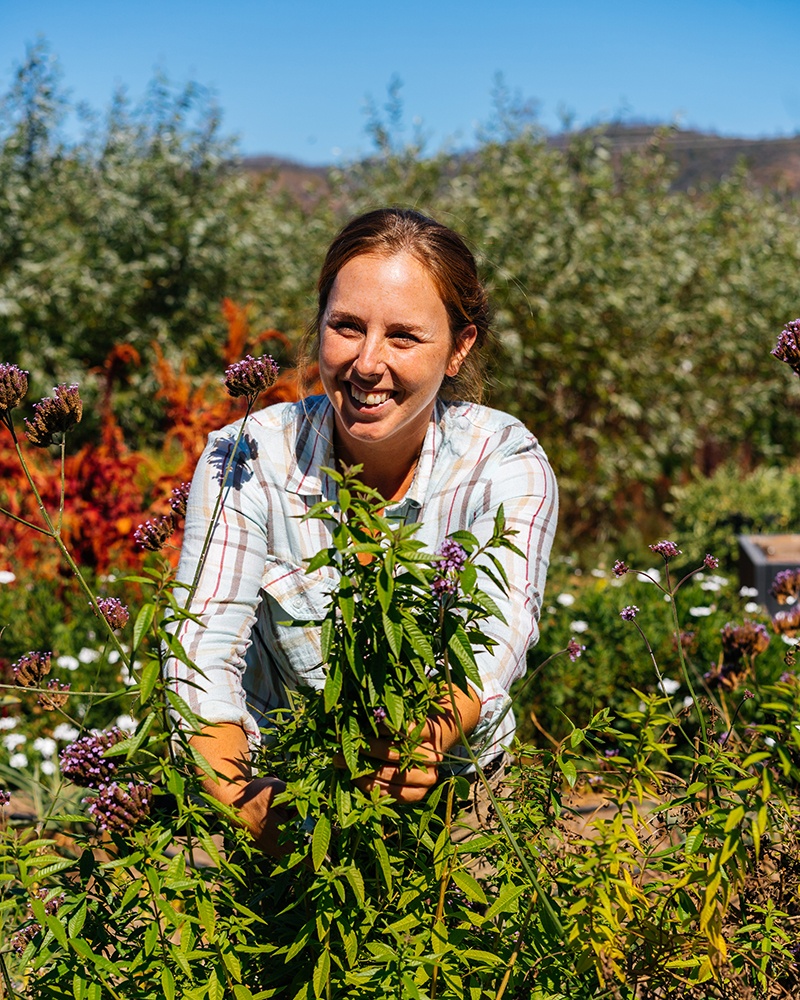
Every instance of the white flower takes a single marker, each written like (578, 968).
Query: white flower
(668, 598)
(9, 722)
(599, 573)
(566, 599)
(17, 760)
(87, 655)
(769, 741)
(650, 575)
(790, 640)
(113, 656)
(45, 746)
(580, 626)
(14, 740)
(748, 592)
(752, 607)
(65, 732)
(126, 723)
(714, 583)
(688, 701)
(128, 679)
(669, 686)
(6, 576)
(700, 612)
(67, 662)
(47, 767)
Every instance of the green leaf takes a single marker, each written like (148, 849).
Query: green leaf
(167, 983)
(356, 880)
(568, 769)
(333, 686)
(506, 901)
(321, 972)
(418, 641)
(394, 633)
(184, 711)
(320, 840)
(383, 861)
(347, 601)
(144, 620)
(326, 636)
(469, 886)
(461, 649)
(395, 707)
(150, 674)
(694, 840)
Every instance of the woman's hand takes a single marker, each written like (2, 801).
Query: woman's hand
(225, 748)
(439, 734)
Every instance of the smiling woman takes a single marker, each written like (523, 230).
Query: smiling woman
(401, 329)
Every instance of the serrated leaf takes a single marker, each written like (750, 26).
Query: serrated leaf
(395, 707)
(394, 633)
(383, 861)
(506, 901)
(320, 841)
(347, 601)
(458, 644)
(326, 637)
(418, 641)
(356, 880)
(184, 711)
(333, 686)
(144, 620)
(469, 886)
(150, 674)
(167, 983)
(321, 973)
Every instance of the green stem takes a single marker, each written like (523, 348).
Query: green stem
(685, 669)
(446, 869)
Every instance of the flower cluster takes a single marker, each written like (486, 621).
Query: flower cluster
(786, 586)
(711, 562)
(629, 613)
(84, 762)
(379, 713)
(787, 622)
(118, 808)
(666, 549)
(5, 797)
(30, 669)
(788, 347)
(13, 386)
(55, 697)
(574, 649)
(178, 499)
(152, 535)
(24, 936)
(54, 415)
(451, 560)
(114, 611)
(740, 645)
(250, 376)
(620, 568)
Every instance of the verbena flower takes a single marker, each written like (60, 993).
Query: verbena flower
(379, 713)
(745, 640)
(574, 649)
(54, 415)
(250, 376)
(83, 762)
(787, 348)
(56, 696)
(620, 568)
(178, 499)
(629, 613)
(786, 586)
(666, 549)
(153, 534)
(451, 560)
(118, 808)
(13, 386)
(787, 622)
(711, 562)
(30, 669)
(5, 797)
(114, 611)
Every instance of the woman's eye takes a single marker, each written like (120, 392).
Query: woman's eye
(404, 337)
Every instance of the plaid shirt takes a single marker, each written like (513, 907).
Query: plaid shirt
(254, 578)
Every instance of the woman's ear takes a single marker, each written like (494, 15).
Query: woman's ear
(464, 342)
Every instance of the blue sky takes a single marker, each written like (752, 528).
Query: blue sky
(293, 76)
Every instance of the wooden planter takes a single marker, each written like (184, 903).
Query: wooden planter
(761, 557)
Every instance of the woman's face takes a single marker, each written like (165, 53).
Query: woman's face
(385, 346)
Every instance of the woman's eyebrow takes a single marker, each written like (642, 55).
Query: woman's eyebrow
(343, 317)
(351, 319)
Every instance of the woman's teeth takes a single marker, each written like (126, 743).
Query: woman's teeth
(369, 398)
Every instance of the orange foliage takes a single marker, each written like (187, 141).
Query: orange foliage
(108, 485)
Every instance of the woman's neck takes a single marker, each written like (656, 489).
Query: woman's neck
(386, 468)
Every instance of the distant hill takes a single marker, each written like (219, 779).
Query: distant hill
(702, 159)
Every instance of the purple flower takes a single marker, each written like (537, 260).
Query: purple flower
(451, 557)
(31, 669)
(152, 535)
(118, 808)
(595, 780)
(83, 762)
(629, 613)
(441, 586)
(114, 611)
(711, 562)
(722, 739)
(5, 797)
(666, 549)
(178, 499)
(620, 569)
(250, 376)
(13, 386)
(788, 347)
(747, 694)
(379, 714)
(54, 415)
(574, 649)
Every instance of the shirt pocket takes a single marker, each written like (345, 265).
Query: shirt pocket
(302, 596)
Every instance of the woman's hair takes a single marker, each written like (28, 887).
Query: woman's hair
(451, 266)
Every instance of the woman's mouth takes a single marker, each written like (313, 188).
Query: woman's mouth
(373, 398)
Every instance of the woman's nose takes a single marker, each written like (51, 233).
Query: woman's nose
(370, 362)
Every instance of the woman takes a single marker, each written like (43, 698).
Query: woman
(401, 332)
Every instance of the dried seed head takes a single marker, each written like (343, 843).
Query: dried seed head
(30, 669)
(114, 611)
(55, 697)
(786, 586)
(788, 347)
(250, 376)
(118, 808)
(179, 498)
(54, 415)
(13, 386)
(152, 535)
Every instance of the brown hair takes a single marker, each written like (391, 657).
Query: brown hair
(451, 265)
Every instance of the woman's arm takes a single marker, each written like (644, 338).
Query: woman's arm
(225, 747)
